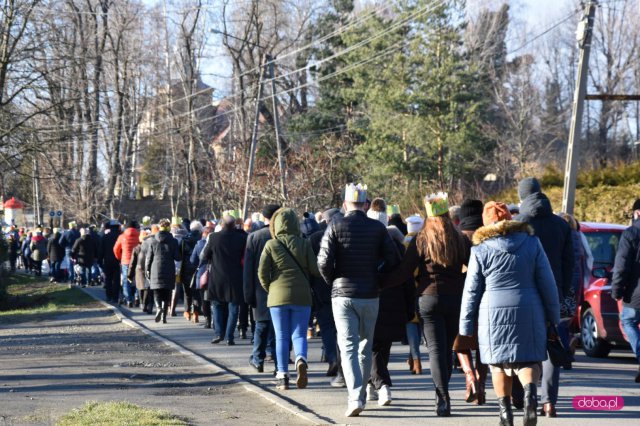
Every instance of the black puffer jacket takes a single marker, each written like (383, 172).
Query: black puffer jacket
(224, 251)
(626, 269)
(55, 250)
(160, 258)
(321, 291)
(254, 294)
(554, 234)
(106, 259)
(84, 250)
(352, 252)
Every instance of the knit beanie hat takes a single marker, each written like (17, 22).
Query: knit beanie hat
(470, 215)
(414, 224)
(495, 211)
(636, 205)
(528, 186)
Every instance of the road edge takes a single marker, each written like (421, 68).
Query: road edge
(308, 416)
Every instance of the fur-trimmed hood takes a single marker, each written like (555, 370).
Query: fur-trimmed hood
(501, 229)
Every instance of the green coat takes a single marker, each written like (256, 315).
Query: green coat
(278, 272)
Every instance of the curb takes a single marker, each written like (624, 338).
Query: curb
(249, 385)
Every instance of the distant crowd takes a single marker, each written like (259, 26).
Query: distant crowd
(489, 286)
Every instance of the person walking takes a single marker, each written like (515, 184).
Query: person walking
(66, 241)
(556, 239)
(256, 296)
(511, 293)
(108, 262)
(137, 276)
(470, 215)
(123, 248)
(56, 256)
(441, 253)
(203, 295)
(160, 268)
(413, 326)
(188, 270)
(286, 264)
(352, 252)
(38, 246)
(624, 285)
(83, 254)
(224, 252)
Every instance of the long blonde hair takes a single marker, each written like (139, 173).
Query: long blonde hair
(440, 241)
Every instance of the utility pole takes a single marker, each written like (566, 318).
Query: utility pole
(254, 139)
(276, 125)
(36, 192)
(584, 33)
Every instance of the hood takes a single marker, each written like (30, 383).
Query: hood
(507, 235)
(536, 205)
(284, 222)
(163, 236)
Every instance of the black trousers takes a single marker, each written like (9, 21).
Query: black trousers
(380, 366)
(146, 299)
(162, 298)
(112, 282)
(245, 317)
(188, 293)
(441, 315)
(204, 304)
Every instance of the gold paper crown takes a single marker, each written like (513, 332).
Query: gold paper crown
(437, 204)
(393, 209)
(355, 193)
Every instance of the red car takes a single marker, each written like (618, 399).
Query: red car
(597, 314)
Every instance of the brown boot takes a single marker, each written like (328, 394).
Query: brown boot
(466, 362)
(482, 371)
(410, 363)
(194, 316)
(187, 315)
(417, 367)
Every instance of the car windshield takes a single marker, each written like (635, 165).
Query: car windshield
(603, 246)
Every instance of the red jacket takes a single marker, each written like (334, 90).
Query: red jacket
(125, 244)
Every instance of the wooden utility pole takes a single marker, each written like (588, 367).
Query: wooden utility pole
(276, 125)
(254, 139)
(585, 30)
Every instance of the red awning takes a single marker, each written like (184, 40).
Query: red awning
(13, 203)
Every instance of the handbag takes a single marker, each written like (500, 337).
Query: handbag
(558, 355)
(204, 279)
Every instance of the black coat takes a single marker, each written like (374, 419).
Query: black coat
(84, 250)
(352, 252)
(160, 258)
(254, 294)
(224, 251)
(106, 258)
(626, 269)
(187, 245)
(397, 307)
(321, 290)
(554, 234)
(55, 250)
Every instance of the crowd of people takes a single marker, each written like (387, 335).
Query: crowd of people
(495, 279)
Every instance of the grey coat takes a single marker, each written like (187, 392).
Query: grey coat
(511, 290)
(161, 255)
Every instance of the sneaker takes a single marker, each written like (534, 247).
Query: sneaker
(354, 409)
(338, 382)
(282, 383)
(384, 396)
(259, 367)
(372, 393)
(301, 368)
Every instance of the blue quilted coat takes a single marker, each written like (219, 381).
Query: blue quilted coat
(510, 290)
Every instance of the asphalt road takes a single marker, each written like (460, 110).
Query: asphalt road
(412, 395)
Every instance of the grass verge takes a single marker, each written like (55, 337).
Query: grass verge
(117, 413)
(31, 298)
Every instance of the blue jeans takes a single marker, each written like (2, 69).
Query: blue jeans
(413, 337)
(263, 340)
(328, 330)
(225, 318)
(355, 324)
(95, 272)
(54, 271)
(85, 272)
(127, 291)
(72, 274)
(630, 319)
(290, 323)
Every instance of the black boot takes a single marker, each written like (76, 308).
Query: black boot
(207, 322)
(443, 404)
(506, 415)
(158, 311)
(165, 308)
(530, 405)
